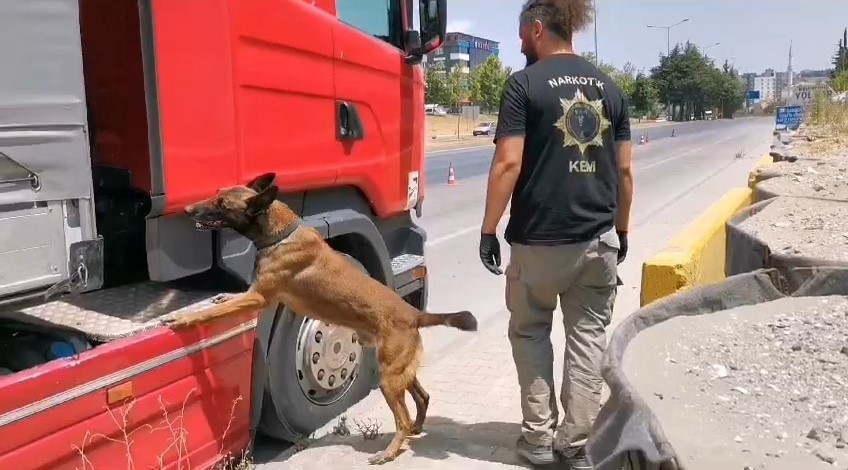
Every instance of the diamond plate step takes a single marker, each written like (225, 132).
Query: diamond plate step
(405, 262)
(110, 314)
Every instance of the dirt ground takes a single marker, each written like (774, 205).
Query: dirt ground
(803, 227)
(758, 387)
(449, 125)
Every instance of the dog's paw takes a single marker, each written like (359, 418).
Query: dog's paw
(219, 299)
(175, 323)
(380, 458)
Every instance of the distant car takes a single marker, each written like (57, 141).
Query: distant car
(486, 128)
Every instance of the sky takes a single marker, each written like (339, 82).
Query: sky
(756, 32)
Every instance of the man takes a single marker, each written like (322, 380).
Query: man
(563, 153)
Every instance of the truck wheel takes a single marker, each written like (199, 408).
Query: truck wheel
(316, 371)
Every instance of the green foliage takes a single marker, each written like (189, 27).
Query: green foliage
(483, 86)
(458, 86)
(625, 77)
(645, 97)
(438, 91)
(840, 83)
(487, 83)
(692, 84)
(840, 59)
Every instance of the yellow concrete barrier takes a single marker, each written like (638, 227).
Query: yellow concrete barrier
(696, 256)
(753, 178)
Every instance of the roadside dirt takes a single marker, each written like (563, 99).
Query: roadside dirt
(821, 176)
(802, 227)
(449, 125)
(758, 387)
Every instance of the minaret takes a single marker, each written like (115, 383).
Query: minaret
(790, 74)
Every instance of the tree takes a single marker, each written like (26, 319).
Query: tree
(840, 59)
(840, 83)
(487, 83)
(624, 78)
(645, 97)
(731, 91)
(458, 87)
(438, 91)
(688, 81)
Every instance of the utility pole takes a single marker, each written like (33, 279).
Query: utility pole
(595, 21)
(668, 43)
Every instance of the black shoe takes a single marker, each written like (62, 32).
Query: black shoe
(576, 461)
(537, 455)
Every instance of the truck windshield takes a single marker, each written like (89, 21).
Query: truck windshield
(379, 18)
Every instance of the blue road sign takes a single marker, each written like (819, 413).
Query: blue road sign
(788, 117)
(753, 95)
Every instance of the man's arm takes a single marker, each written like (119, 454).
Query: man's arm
(624, 150)
(509, 152)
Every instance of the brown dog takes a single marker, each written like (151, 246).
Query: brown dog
(297, 268)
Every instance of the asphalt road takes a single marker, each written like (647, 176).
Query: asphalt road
(675, 178)
(474, 160)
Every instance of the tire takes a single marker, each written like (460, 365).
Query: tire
(288, 412)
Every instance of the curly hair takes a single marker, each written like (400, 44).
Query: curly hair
(561, 17)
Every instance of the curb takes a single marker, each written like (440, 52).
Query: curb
(697, 255)
(754, 176)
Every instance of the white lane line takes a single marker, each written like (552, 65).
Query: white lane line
(682, 154)
(461, 149)
(452, 235)
(473, 228)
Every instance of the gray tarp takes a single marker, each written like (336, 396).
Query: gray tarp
(627, 435)
(746, 252)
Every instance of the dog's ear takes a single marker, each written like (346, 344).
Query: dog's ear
(262, 201)
(262, 182)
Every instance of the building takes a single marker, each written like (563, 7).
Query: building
(462, 51)
(749, 80)
(767, 86)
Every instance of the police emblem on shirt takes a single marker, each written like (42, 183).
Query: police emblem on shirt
(582, 122)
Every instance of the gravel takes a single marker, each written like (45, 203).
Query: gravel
(824, 178)
(763, 386)
(802, 227)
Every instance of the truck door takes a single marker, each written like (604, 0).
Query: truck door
(45, 169)
(377, 100)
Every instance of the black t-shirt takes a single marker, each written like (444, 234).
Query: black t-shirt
(570, 114)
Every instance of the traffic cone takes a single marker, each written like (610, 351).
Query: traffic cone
(451, 175)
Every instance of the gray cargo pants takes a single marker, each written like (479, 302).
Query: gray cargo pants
(583, 277)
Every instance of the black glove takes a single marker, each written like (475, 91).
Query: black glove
(622, 241)
(490, 252)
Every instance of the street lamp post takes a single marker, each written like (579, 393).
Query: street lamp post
(595, 21)
(707, 47)
(668, 33)
(668, 42)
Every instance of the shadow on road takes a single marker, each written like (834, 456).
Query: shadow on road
(489, 442)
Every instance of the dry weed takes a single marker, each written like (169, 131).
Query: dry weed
(341, 428)
(178, 441)
(828, 124)
(369, 429)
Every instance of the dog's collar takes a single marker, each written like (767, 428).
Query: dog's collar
(281, 237)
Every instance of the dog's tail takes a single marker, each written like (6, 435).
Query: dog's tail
(463, 320)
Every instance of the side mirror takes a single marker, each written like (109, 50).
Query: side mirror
(432, 29)
(433, 18)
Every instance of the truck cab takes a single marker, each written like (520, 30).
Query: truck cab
(115, 115)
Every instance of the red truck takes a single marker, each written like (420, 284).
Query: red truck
(116, 114)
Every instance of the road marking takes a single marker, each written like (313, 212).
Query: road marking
(452, 235)
(461, 149)
(683, 154)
